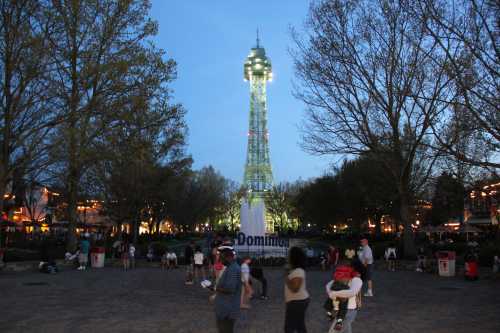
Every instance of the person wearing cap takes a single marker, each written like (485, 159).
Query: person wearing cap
(228, 292)
(83, 257)
(365, 255)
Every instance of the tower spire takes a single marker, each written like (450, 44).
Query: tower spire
(258, 40)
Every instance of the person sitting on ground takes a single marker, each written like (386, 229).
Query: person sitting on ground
(69, 257)
(48, 267)
(246, 290)
(257, 273)
(172, 259)
(343, 274)
(390, 257)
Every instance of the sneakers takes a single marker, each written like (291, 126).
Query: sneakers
(338, 325)
(369, 293)
(264, 298)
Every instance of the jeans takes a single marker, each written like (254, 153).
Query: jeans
(225, 325)
(346, 326)
(295, 316)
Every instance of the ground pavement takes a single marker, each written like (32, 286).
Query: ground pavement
(151, 300)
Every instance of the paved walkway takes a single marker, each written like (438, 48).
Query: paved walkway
(151, 300)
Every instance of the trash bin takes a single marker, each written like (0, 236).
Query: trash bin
(97, 256)
(446, 263)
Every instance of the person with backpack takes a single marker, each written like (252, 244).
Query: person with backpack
(353, 296)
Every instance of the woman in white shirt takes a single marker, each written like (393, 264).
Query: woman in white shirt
(352, 305)
(198, 263)
(296, 295)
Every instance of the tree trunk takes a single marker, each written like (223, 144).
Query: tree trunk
(378, 226)
(135, 229)
(408, 240)
(71, 211)
(2, 193)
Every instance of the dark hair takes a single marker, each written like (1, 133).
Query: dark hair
(296, 258)
(198, 248)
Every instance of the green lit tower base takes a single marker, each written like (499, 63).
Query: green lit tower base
(258, 177)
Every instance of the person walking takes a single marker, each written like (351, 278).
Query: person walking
(246, 290)
(390, 257)
(333, 257)
(124, 250)
(296, 295)
(228, 292)
(352, 294)
(257, 273)
(131, 255)
(366, 258)
(199, 272)
(188, 259)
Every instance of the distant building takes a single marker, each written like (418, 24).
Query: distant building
(481, 205)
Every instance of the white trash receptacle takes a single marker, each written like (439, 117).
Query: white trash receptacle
(97, 256)
(446, 263)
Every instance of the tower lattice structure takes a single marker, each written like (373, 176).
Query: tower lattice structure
(258, 174)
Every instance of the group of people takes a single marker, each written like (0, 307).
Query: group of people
(233, 287)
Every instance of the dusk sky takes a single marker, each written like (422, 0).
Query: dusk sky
(210, 41)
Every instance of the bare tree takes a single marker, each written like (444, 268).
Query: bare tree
(467, 35)
(26, 116)
(233, 194)
(368, 78)
(279, 204)
(98, 50)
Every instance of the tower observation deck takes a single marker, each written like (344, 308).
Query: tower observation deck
(257, 70)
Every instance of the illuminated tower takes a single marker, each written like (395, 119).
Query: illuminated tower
(258, 175)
